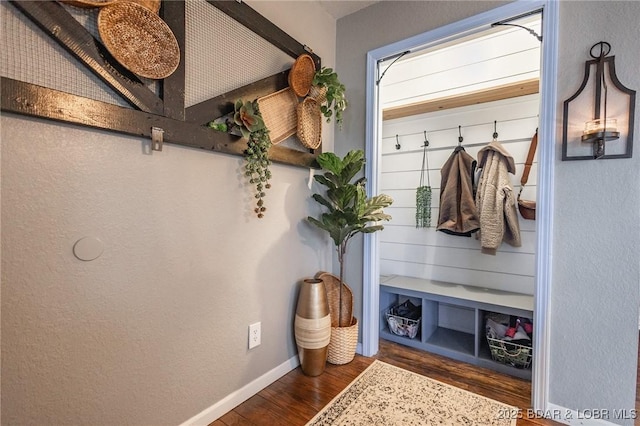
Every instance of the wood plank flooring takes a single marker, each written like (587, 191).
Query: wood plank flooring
(295, 398)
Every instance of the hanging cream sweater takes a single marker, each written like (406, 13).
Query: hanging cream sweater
(495, 199)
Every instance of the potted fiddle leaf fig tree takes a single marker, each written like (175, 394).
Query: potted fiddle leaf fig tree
(349, 212)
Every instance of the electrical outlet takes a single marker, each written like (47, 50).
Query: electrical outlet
(254, 335)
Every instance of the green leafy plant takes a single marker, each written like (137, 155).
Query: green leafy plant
(247, 121)
(349, 210)
(333, 102)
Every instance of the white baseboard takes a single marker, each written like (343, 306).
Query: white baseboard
(592, 417)
(232, 400)
(228, 403)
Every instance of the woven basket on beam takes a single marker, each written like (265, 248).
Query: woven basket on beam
(310, 123)
(301, 74)
(139, 39)
(278, 110)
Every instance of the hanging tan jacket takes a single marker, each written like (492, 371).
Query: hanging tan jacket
(458, 214)
(495, 199)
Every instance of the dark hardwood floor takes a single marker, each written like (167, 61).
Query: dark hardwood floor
(295, 398)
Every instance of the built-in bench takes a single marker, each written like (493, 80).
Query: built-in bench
(453, 318)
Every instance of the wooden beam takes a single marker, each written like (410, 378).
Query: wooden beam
(37, 101)
(173, 87)
(506, 91)
(54, 20)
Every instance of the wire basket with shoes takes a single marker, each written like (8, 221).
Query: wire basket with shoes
(509, 340)
(404, 319)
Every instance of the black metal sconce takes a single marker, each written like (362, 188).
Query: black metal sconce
(600, 114)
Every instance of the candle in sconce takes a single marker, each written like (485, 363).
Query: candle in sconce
(598, 131)
(599, 125)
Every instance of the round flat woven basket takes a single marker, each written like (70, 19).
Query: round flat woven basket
(279, 113)
(139, 39)
(310, 123)
(301, 74)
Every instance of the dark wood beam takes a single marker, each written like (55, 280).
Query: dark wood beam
(52, 18)
(37, 101)
(173, 87)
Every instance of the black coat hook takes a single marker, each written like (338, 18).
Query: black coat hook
(397, 143)
(495, 129)
(426, 141)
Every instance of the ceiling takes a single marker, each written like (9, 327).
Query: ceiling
(339, 8)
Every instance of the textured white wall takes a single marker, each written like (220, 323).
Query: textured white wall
(155, 330)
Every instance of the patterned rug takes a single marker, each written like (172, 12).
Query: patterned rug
(387, 395)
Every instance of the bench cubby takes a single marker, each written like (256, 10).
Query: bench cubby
(453, 318)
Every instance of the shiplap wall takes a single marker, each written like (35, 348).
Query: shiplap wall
(498, 56)
(427, 253)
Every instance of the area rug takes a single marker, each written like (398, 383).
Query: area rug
(387, 395)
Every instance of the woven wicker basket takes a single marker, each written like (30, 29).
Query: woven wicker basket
(344, 340)
(278, 111)
(310, 123)
(319, 94)
(301, 74)
(332, 287)
(139, 39)
(343, 343)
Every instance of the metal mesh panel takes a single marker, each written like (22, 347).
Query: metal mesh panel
(30, 55)
(222, 55)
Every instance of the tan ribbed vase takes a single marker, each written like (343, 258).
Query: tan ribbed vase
(312, 327)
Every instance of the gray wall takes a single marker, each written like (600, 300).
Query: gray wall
(596, 271)
(155, 330)
(596, 248)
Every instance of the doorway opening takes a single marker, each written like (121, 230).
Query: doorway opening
(445, 115)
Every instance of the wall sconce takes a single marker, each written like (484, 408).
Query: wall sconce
(599, 113)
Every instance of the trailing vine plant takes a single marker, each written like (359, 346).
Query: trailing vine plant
(247, 121)
(329, 92)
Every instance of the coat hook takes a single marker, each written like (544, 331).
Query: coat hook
(397, 143)
(460, 138)
(495, 129)
(426, 141)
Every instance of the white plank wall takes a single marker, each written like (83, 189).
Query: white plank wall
(426, 253)
(501, 56)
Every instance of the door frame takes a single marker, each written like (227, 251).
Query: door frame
(546, 160)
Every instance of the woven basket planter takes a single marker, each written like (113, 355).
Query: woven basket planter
(319, 94)
(343, 343)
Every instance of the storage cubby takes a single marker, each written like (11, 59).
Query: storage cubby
(453, 318)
